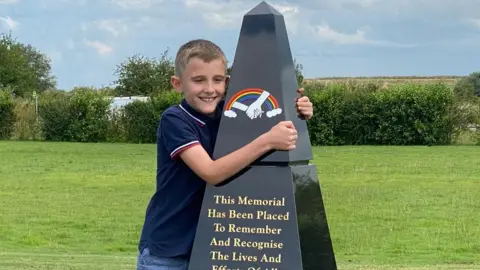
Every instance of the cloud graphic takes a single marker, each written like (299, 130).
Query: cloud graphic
(230, 114)
(274, 112)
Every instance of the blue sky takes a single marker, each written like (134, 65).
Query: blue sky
(86, 39)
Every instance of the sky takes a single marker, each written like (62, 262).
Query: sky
(87, 39)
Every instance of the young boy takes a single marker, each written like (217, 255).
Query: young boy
(185, 143)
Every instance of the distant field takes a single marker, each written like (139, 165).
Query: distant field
(81, 206)
(450, 80)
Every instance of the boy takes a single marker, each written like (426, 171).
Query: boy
(185, 143)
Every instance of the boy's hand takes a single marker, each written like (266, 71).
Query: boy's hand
(283, 136)
(304, 106)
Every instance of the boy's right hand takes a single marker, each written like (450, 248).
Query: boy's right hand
(283, 136)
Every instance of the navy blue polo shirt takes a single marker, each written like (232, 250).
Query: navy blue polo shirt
(173, 211)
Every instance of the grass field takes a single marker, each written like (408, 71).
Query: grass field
(81, 206)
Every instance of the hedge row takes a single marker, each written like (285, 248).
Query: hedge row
(405, 114)
(86, 115)
(7, 114)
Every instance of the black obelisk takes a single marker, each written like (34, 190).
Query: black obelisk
(271, 215)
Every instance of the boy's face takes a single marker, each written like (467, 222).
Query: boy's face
(202, 84)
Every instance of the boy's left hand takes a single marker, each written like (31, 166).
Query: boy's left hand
(304, 106)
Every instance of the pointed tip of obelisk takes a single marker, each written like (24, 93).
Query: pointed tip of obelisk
(263, 9)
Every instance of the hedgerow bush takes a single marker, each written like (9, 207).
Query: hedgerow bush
(140, 119)
(7, 115)
(405, 114)
(78, 116)
(27, 126)
(348, 113)
(53, 109)
(343, 114)
(415, 115)
(468, 87)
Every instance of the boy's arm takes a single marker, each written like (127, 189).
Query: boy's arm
(282, 136)
(181, 141)
(216, 171)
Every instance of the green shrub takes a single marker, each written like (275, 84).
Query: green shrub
(53, 108)
(474, 113)
(343, 115)
(347, 113)
(469, 87)
(27, 126)
(7, 114)
(89, 115)
(140, 119)
(405, 114)
(116, 129)
(78, 116)
(414, 114)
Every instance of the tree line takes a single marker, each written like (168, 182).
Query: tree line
(348, 112)
(24, 69)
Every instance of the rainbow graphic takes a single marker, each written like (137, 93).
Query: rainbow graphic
(249, 95)
(254, 102)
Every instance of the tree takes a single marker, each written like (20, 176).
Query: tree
(142, 76)
(299, 71)
(139, 75)
(468, 87)
(23, 68)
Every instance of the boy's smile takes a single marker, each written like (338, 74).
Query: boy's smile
(202, 84)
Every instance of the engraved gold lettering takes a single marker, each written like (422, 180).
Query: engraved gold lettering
(224, 267)
(237, 242)
(245, 200)
(271, 259)
(253, 230)
(240, 257)
(239, 215)
(267, 216)
(219, 256)
(220, 199)
(218, 227)
(239, 227)
(213, 213)
(220, 243)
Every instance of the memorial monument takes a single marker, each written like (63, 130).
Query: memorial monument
(270, 216)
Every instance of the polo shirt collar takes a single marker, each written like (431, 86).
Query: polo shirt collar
(198, 117)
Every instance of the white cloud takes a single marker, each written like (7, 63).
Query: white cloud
(342, 4)
(114, 27)
(225, 15)
(291, 15)
(120, 26)
(100, 47)
(139, 4)
(230, 114)
(327, 34)
(8, 2)
(219, 15)
(472, 22)
(9, 22)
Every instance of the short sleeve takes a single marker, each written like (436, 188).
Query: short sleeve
(176, 134)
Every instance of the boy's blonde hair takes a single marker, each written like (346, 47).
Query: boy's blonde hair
(199, 48)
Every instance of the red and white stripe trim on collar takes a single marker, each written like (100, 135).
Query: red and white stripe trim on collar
(195, 118)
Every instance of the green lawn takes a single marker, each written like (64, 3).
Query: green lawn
(81, 206)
